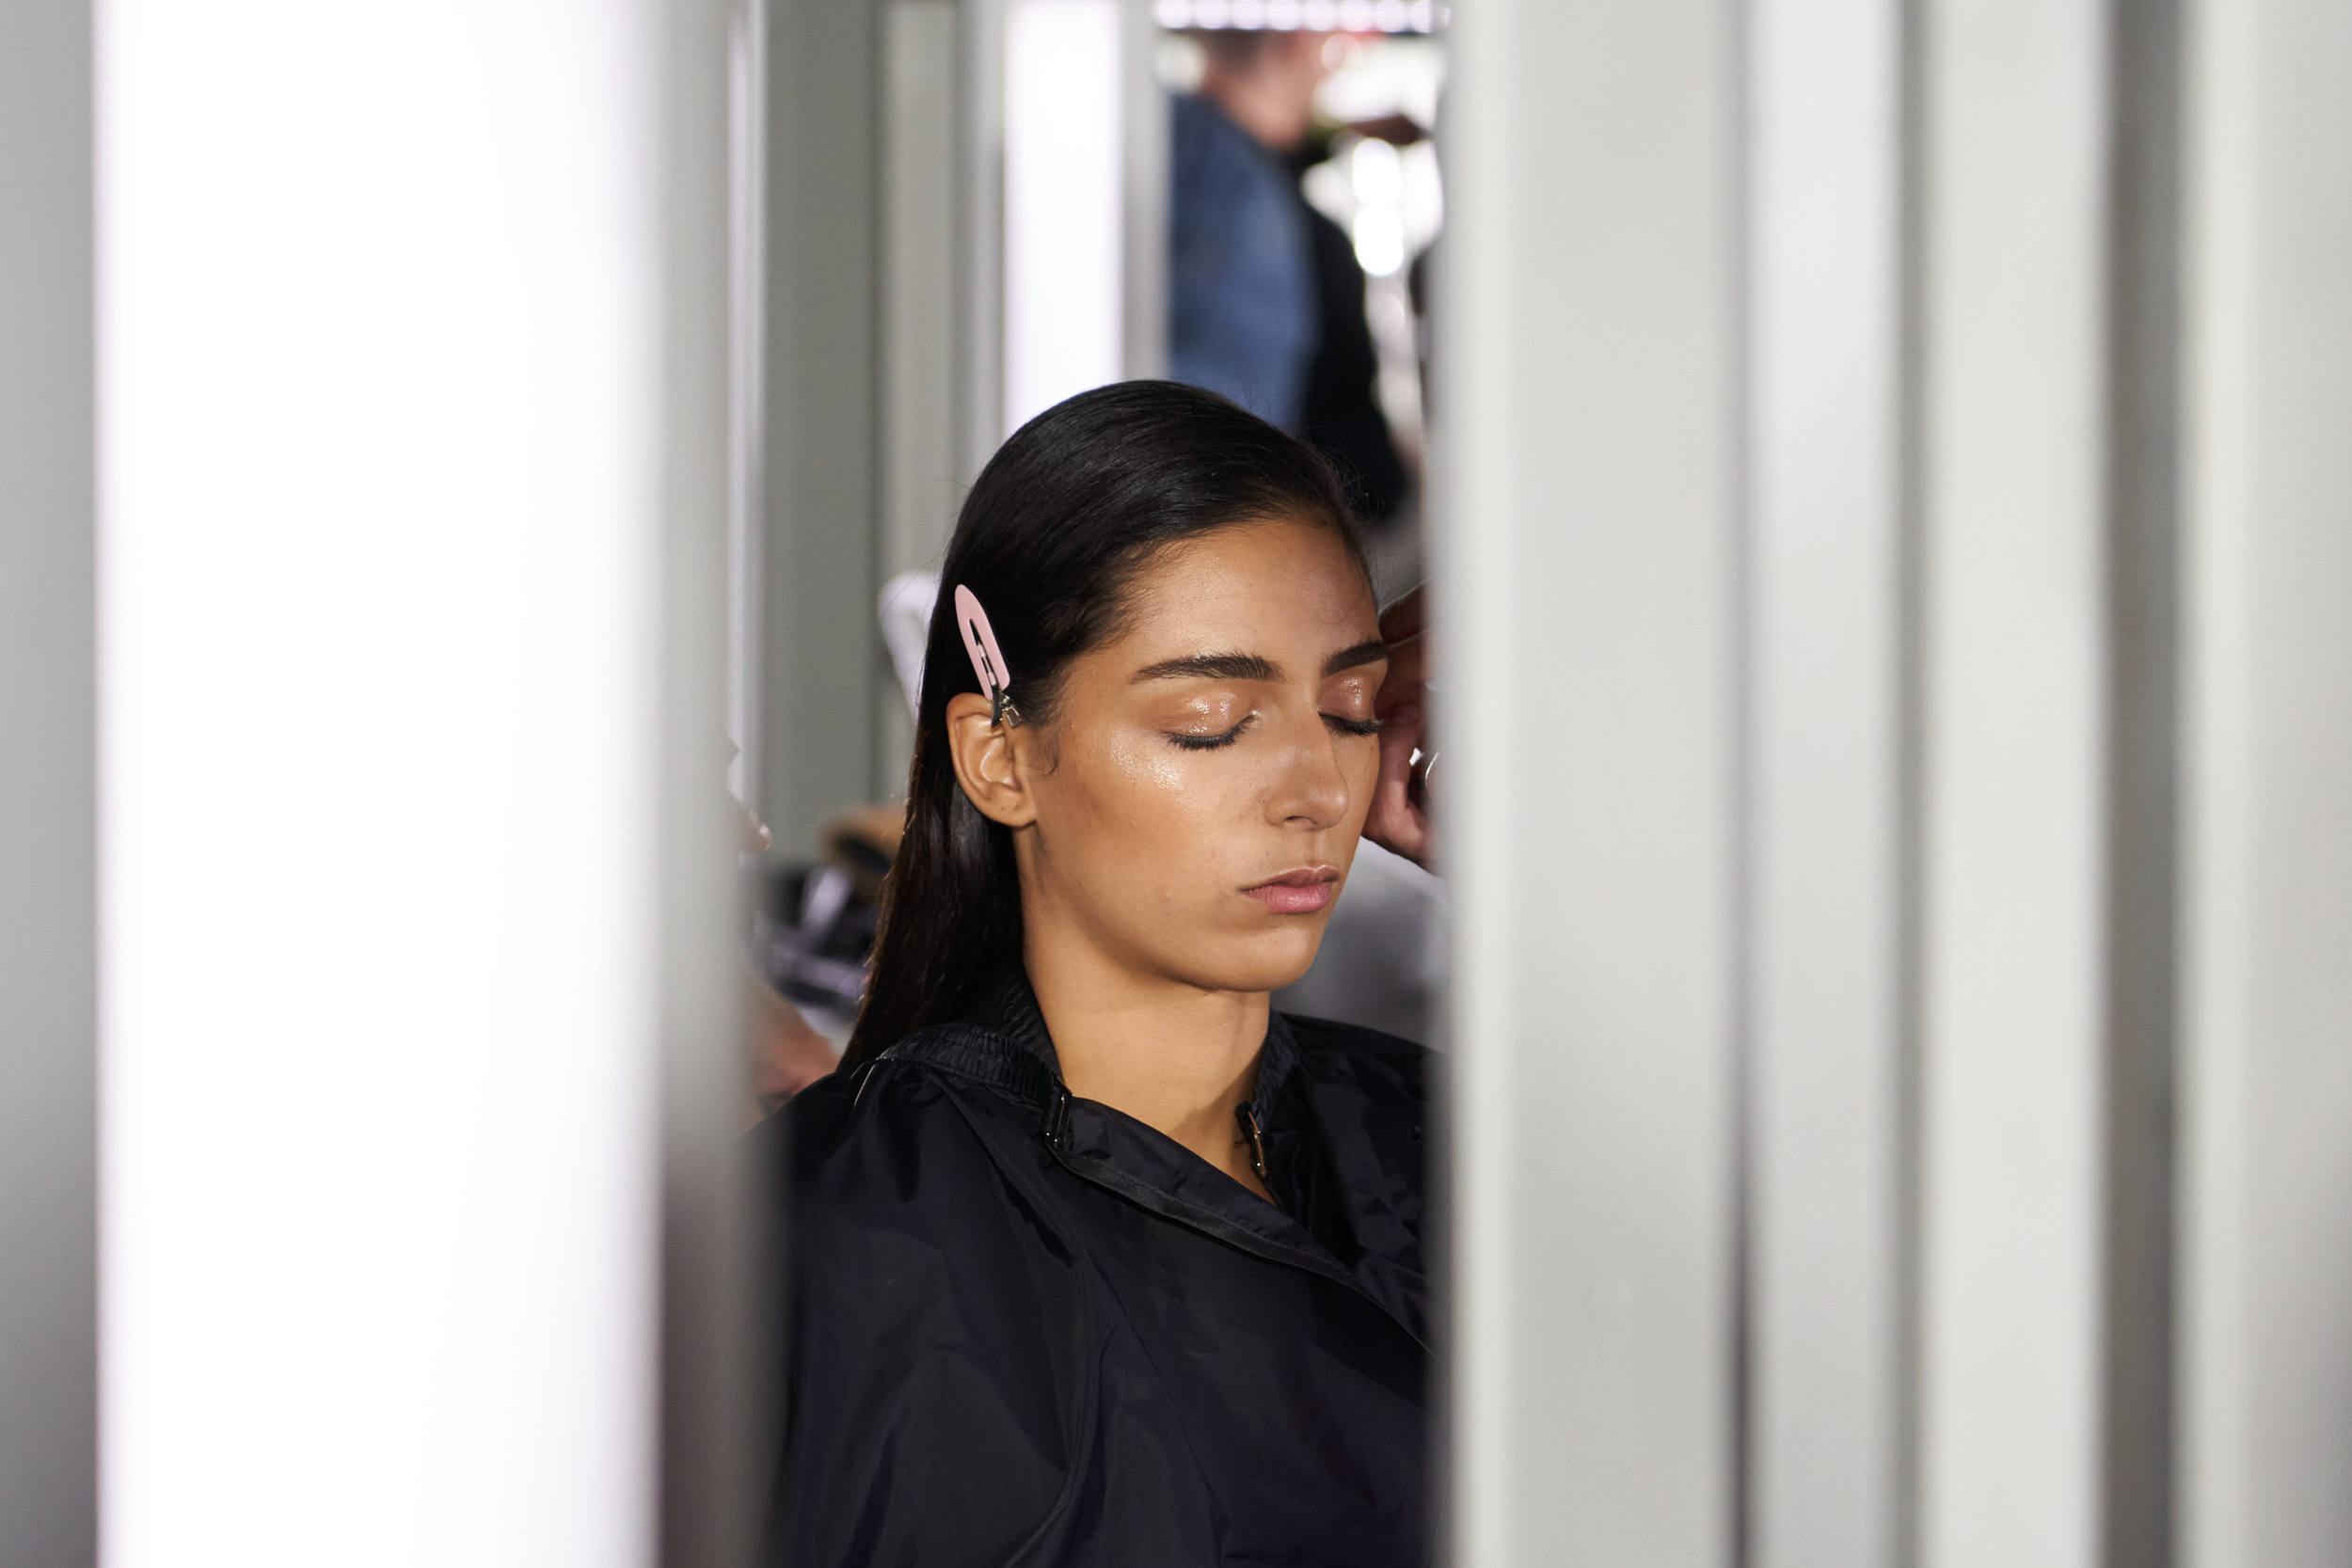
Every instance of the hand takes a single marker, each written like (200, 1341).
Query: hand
(787, 1055)
(1399, 821)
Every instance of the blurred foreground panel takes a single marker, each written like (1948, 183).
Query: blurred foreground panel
(47, 764)
(2267, 1066)
(391, 429)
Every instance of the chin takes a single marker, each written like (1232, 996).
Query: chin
(1267, 961)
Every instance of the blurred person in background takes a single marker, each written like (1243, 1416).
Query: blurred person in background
(1265, 295)
(1090, 1255)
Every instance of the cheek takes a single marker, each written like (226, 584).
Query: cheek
(1162, 795)
(1129, 811)
(1164, 824)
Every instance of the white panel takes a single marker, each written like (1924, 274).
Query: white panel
(2013, 447)
(920, 494)
(2267, 1151)
(1064, 213)
(980, 234)
(1826, 677)
(48, 768)
(380, 429)
(747, 277)
(1146, 171)
(919, 275)
(1588, 480)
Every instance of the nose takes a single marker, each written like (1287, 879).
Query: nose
(1312, 789)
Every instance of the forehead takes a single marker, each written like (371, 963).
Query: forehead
(1255, 585)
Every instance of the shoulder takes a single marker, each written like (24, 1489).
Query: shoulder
(929, 1312)
(1211, 155)
(887, 1109)
(895, 1182)
(892, 1146)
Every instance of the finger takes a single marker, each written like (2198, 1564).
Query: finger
(1395, 821)
(1405, 618)
(1407, 675)
(1400, 736)
(1398, 825)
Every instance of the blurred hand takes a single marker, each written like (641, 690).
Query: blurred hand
(1399, 821)
(787, 1055)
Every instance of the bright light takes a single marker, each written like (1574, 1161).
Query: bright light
(1380, 236)
(1377, 173)
(378, 299)
(1314, 16)
(1064, 240)
(1376, 178)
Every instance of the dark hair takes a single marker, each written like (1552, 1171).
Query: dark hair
(1051, 539)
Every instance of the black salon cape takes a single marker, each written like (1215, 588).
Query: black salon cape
(1027, 1329)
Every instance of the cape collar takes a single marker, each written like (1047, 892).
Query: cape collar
(1008, 1008)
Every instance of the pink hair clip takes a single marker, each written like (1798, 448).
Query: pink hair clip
(988, 660)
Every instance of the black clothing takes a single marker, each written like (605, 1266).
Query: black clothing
(1027, 1329)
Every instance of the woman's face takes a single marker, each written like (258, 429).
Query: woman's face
(1194, 807)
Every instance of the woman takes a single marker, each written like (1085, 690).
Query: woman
(1093, 1259)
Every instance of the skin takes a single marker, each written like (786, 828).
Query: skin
(1398, 822)
(1271, 95)
(1151, 961)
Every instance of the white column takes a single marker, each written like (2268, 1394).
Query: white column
(48, 765)
(413, 483)
(1826, 683)
(1588, 574)
(921, 280)
(2267, 1150)
(1144, 176)
(919, 489)
(2012, 452)
(1065, 214)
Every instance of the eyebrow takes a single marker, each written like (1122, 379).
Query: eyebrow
(1362, 652)
(1252, 667)
(1215, 667)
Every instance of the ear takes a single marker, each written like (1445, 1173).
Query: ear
(995, 762)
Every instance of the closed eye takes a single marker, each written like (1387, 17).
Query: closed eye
(1211, 742)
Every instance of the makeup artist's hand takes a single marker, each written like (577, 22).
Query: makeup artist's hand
(1400, 821)
(787, 1053)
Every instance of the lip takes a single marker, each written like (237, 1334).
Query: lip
(1301, 892)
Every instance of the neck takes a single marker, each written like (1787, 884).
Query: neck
(1175, 1057)
(1265, 108)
